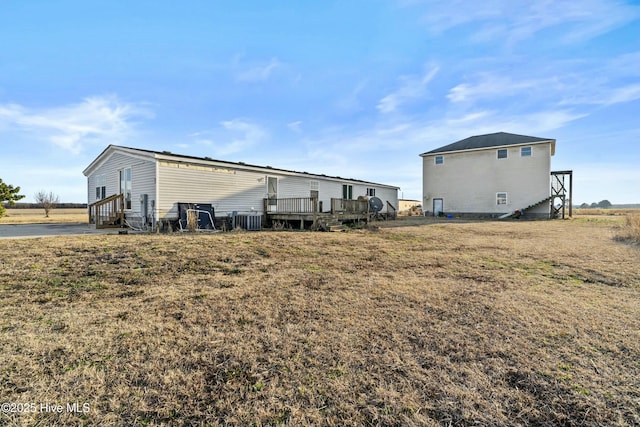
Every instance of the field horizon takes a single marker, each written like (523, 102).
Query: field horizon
(414, 323)
(36, 216)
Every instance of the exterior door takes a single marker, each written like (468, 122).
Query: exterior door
(347, 192)
(125, 186)
(438, 207)
(272, 192)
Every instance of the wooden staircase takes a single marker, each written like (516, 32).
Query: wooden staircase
(332, 223)
(535, 205)
(517, 213)
(335, 225)
(108, 212)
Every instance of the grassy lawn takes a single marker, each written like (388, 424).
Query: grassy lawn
(36, 216)
(440, 323)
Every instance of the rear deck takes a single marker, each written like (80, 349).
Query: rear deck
(309, 211)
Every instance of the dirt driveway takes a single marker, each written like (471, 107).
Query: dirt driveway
(17, 231)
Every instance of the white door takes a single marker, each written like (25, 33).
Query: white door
(272, 193)
(438, 206)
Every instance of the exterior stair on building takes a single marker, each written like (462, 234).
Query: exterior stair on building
(522, 211)
(333, 224)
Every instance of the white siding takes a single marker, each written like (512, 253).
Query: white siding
(468, 181)
(233, 189)
(333, 189)
(227, 189)
(142, 178)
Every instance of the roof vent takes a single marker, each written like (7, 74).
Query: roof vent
(167, 152)
(208, 158)
(241, 163)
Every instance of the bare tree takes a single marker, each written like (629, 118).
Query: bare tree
(48, 201)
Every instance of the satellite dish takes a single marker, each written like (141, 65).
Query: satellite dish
(375, 204)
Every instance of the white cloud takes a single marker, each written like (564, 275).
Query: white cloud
(295, 126)
(233, 136)
(624, 65)
(512, 21)
(351, 101)
(417, 135)
(497, 86)
(412, 87)
(258, 72)
(603, 95)
(565, 84)
(95, 120)
(624, 94)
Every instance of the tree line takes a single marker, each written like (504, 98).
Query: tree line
(62, 205)
(603, 204)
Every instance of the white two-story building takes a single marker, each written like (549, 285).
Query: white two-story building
(489, 175)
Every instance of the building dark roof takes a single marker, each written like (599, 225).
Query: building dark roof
(498, 139)
(155, 154)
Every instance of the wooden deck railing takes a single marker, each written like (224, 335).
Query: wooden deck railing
(392, 212)
(308, 205)
(108, 212)
(293, 205)
(349, 206)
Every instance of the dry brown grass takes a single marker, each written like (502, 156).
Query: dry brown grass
(608, 212)
(36, 216)
(630, 232)
(448, 323)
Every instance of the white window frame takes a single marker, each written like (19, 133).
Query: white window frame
(435, 160)
(502, 200)
(101, 186)
(371, 192)
(506, 151)
(526, 155)
(347, 191)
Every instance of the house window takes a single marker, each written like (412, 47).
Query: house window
(501, 198)
(502, 153)
(347, 191)
(314, 185)
(125, 186)
(439, 160)
(525, 152)
(371, 192)
(101, 187)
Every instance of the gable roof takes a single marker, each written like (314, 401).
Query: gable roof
(167, 155)
(491, 140)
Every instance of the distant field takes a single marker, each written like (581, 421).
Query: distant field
(436, 324)
(609, 212)
(35, 216)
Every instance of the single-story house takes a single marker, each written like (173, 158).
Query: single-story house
(490, 175)
(153, 184)
(407, 205)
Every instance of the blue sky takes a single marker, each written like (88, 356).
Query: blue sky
(351, 88)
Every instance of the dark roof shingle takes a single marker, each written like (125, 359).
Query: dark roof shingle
(487, 141)
(237, 164)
